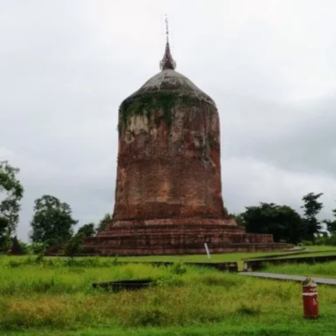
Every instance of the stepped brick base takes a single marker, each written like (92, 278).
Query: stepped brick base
(177, 237)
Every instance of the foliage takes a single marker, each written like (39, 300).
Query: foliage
(36, 248)
(153, 102)
(311, 208)
(88, 230)
(239, 219)
(331, 223)
(11, 193)
(101, 226)
(4, 238)
(24, 247)
(178, 268)
(280, 220)
(74, 246)
(52, 222)
(326, 240)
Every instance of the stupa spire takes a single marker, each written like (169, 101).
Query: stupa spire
(167, 61)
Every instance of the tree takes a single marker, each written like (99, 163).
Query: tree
(331, 224)
(311, 209)
(239, 219)
(11, 193)
(101, 226)
(283, 222)
(52, 222)
(88, 230)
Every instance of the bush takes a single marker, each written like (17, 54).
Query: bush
(306, 243)
(178, 268)
(36, 248)
(326, 240)
(75, 245)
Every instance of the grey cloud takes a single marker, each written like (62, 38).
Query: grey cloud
(65, 66)
(298, 137)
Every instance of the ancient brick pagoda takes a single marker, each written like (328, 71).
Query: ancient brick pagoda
(168, 192)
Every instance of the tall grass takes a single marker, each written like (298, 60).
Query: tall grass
(58, 295)
(327, 269)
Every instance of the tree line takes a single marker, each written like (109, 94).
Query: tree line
(287, 225)
(53, 223)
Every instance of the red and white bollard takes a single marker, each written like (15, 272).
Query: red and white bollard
(309, 296)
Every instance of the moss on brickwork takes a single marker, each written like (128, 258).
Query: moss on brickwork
(147, 103)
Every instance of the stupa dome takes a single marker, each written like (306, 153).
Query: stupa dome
(170, 81)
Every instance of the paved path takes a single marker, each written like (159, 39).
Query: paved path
(299, 278)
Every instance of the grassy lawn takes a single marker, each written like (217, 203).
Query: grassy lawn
(321, 248)
(324, 270)
(310, 254)
(55, 297)
(325, 326)
(238, 257)
(226, 257)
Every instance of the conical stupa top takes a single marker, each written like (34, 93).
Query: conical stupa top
(167, 61)
(169, 80)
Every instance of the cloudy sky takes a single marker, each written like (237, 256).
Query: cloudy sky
(66, 65)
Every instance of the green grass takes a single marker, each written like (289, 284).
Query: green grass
(227, 257)
(321, 248)
(322, 327)
(310, 254)
(55, 297)
(324, 270)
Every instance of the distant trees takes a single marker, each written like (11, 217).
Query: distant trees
(90, 230)
(331, 223)
(101, 226)
(239, 219)
(284, 223)
(52, 221)
(311, 208)
(11, 193)
(87, 230)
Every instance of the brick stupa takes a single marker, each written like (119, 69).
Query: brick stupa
(168, 196)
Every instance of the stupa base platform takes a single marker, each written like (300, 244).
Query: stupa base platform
(174, 239)
(185, 250)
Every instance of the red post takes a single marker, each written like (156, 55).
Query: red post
(309, 296)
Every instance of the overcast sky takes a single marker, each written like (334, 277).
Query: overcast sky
(66, 65)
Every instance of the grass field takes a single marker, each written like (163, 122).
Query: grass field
(55, 297)
(226, 257)
(324, 270)
(238, 257)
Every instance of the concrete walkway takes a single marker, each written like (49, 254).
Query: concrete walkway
(299, 278)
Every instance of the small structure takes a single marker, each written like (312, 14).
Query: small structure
(15, 249)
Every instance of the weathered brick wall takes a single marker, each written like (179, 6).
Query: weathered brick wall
(179, 244)
(169, 169)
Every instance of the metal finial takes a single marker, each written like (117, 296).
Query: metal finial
(167, 60)
(167, 28)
